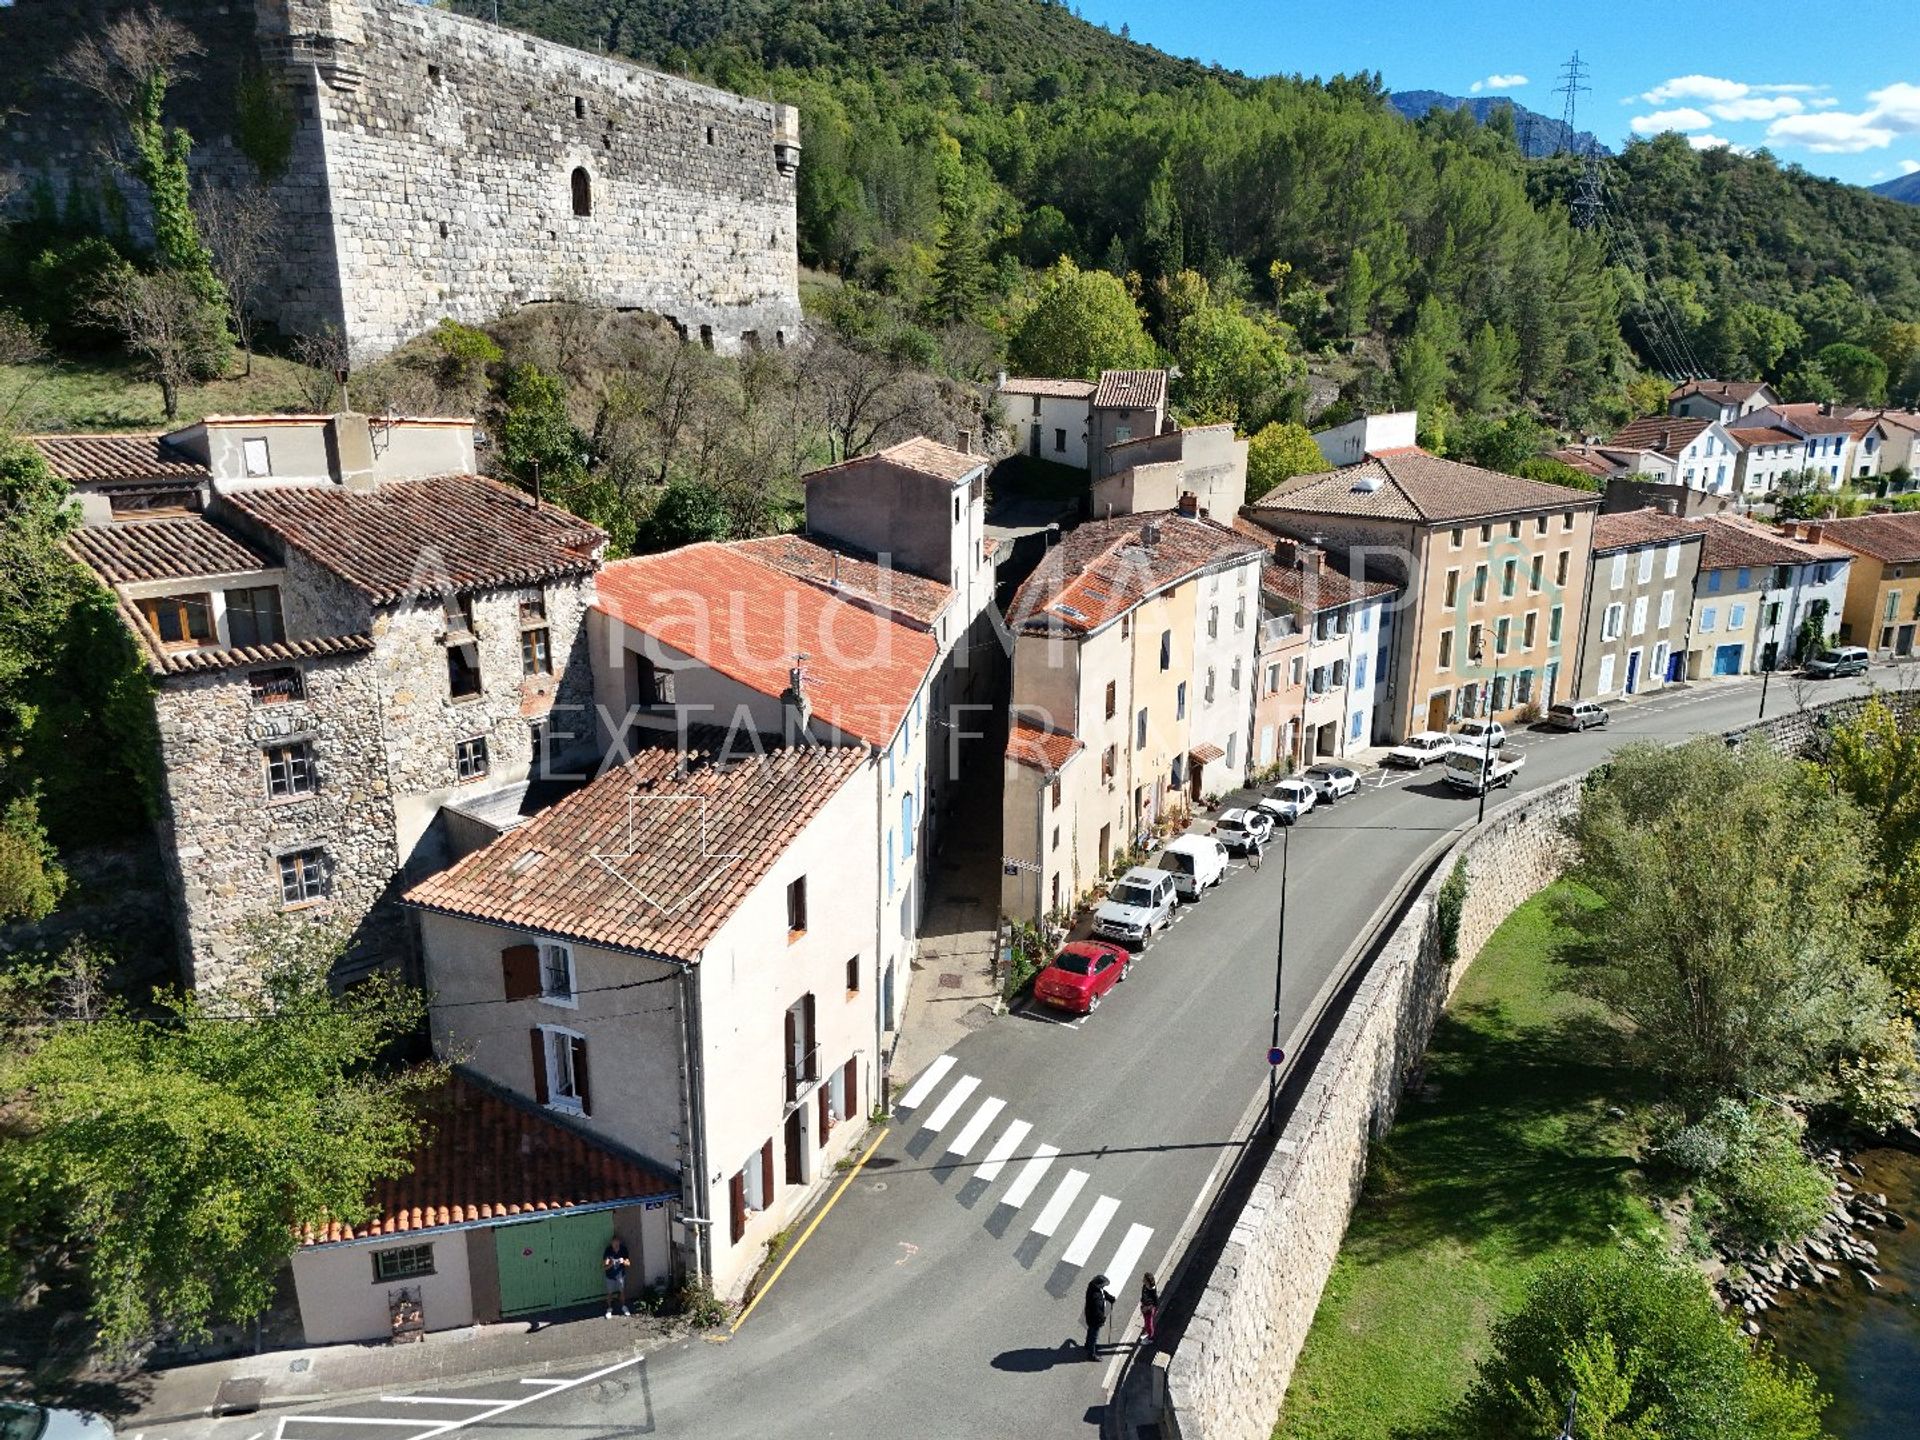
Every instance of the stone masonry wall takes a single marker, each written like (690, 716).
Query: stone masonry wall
(1229, 1375)
(432, 167)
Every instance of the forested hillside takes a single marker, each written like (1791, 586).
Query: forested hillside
(1314, 208)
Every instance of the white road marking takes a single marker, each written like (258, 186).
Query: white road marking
(1060, 1202)
(930, 1077)
(442, 1399)
(1002, 1151)
(447, 1427)
(964, 1142)
(950, 1106)
(1029, 1178)
(1120, 1267)
(1091, 1229)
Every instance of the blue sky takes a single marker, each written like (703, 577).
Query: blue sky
(1834, 88)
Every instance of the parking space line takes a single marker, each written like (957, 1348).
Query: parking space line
(1060, 1202)
(921, 1088)
(446, 1427)
(950, 1106)
(1091, 1229)
(1029, 1178)
(1002, 1151)
(964, 1142)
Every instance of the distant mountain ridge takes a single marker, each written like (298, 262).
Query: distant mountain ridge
(1539, 134)
(1905, 188)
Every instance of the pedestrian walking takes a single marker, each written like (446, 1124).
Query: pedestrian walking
(1099, 1306)
(614, 1263)
(1149, 1306)
(1253, 852)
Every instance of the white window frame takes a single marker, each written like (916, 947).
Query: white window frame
(1709, 617)
(1619, 571)
(1666, 608)
(1638, 626)
(1603, 681)
(557, 1047)
(549, 950)
(1736, 618)
(1612, 621)
(256, 469)
(1673, 560)
(1646, 566)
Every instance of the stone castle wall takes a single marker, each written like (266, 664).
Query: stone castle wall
(1227, 1379)
(433, 168)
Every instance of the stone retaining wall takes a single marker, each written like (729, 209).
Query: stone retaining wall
(1229, 1375)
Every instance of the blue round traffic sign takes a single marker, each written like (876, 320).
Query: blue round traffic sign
(1276, 1055)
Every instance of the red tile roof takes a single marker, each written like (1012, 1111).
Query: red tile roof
(647, 858)
(408, 536)
(919, 454)
(1663, 434)
(116, 459)
(1733, 541)
(1885, 537)
(1629, 528)
(1131, 389)
(1045, 750)
(482, 1156)
(1323, 587)
(841, 569)
(1728, 390)
(1104, 568)
(749, 621)
(1816, 418)
(1411, 484)
(1762, 435)
(1058, 389)
(176, 548)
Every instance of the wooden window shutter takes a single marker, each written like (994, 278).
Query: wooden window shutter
(579, 1046)
(826, 1114)
(851, 1085)
(539, 1064)
(792, 1070)
(811, 1065)
(520, 971)
(766, 1173)
(737, 1205)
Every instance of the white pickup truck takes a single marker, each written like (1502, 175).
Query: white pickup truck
(1472, 769)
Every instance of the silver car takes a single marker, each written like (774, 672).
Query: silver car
(1330, 782)
(1139, 904)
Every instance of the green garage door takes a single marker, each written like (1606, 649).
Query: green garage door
(551, 1264)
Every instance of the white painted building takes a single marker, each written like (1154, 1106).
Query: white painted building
(1226, 622)
(1352, 442)
(1703, 454)
(1048, 419)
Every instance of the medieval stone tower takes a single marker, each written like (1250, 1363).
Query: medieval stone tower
(445, 167)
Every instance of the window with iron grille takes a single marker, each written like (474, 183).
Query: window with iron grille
(303, 876)
(289, 770)
(470, 758)
(282, 685)
(403, 1263)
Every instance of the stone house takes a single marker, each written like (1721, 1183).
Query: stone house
(1127, 405)
(1048, 419)
(1756, 588)
(678, 960)
(1727, 401)
(1132, 695)
(336, 661)
(1490, 570)
(1159, 472)
(1640, 582)
(1882, 607)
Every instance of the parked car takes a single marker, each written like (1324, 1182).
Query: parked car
(1288, 801)
(1577, 715)
(1476, 733)
(1195, 862)
(1139, 904)
(22, 1421)
(1474, 770)
(1080, 976)
(1832, 664)
(1420, 749)
(1330, 782)
(1239, 830)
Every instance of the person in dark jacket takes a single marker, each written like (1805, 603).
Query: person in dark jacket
(1149, 1306)
(1099, 1306)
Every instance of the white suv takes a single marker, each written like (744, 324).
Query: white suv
(1140, 903)
(1288, 801)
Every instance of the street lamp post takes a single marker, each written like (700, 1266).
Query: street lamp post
(1280, 942)
(1766, 660)
(1486, 740)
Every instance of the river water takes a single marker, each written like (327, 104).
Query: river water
(1865, 1348)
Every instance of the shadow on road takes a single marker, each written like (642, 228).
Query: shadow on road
(1037, 1358)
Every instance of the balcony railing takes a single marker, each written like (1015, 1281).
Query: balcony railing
(801, 1071)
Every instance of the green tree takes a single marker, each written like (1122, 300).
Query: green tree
(1233, 367)
(1859, 375)
(1549, 471)
(1504, 446)
(1640, 1339)
(536, 436)
(1278, 451)
(1874, 759)
(1741, 967)
(180, 1153)
(959, 268)
(1354, 305)
(1490, 369)
(31, 879)
(1083, 322)
(686, 513)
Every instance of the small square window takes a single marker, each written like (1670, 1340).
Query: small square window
(853, 975)
(254, 457)
(556, 975)
(533, 608)
(289, 770)
(470, 758)
(404, 1263)
(797, 908)
(303, 876)
(282, 685)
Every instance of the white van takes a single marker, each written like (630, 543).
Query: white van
(1195, 862)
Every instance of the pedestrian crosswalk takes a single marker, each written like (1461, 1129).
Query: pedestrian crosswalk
(940, 1097)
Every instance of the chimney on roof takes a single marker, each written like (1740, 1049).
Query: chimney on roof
(966, 442)
(1667, 504)
(1189, 503)
(1826, 407)
(1150, 533)
(1811, 533)
(1000, 381)
(796, 707)
(349, 445)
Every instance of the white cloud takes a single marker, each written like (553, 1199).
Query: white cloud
(1898, 107)
(1709, 142)
(1910, 167)
(1661, 121)
(1497, 82)
(1894, 110)
(1712, 87)
(1756, 107)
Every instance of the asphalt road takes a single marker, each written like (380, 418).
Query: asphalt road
(935, 1301)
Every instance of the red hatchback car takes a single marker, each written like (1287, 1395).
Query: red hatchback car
(1081, 975)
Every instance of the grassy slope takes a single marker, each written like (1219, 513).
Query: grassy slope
(105, 395)
(1506, 1159)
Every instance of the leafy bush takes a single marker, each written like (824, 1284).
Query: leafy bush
(1754, 1181)
(61, 283)
(1640, 1339)
(1875, 1089)
(1452, 904)
(701, 1307)
(31, 880)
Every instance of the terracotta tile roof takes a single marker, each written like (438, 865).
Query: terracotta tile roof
(175, 548)
(1733, 541)
(1206, 754)
(841, 569)
(458, 530)
(1588, 459)
(646, 858)
(1131, 389)
(1104, 568)
(1325, 587)
(1885, 537)
(483, 1156)
(919, 454)
(748, 621)
(116, 459)
(1629, 528)
(1411, 484)
(1729, 390)
(1663, 434)
(1044, 750)
(1813, 417)
(1908, 420)
(1059, 389)
(236, 657)
(1762, 435)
